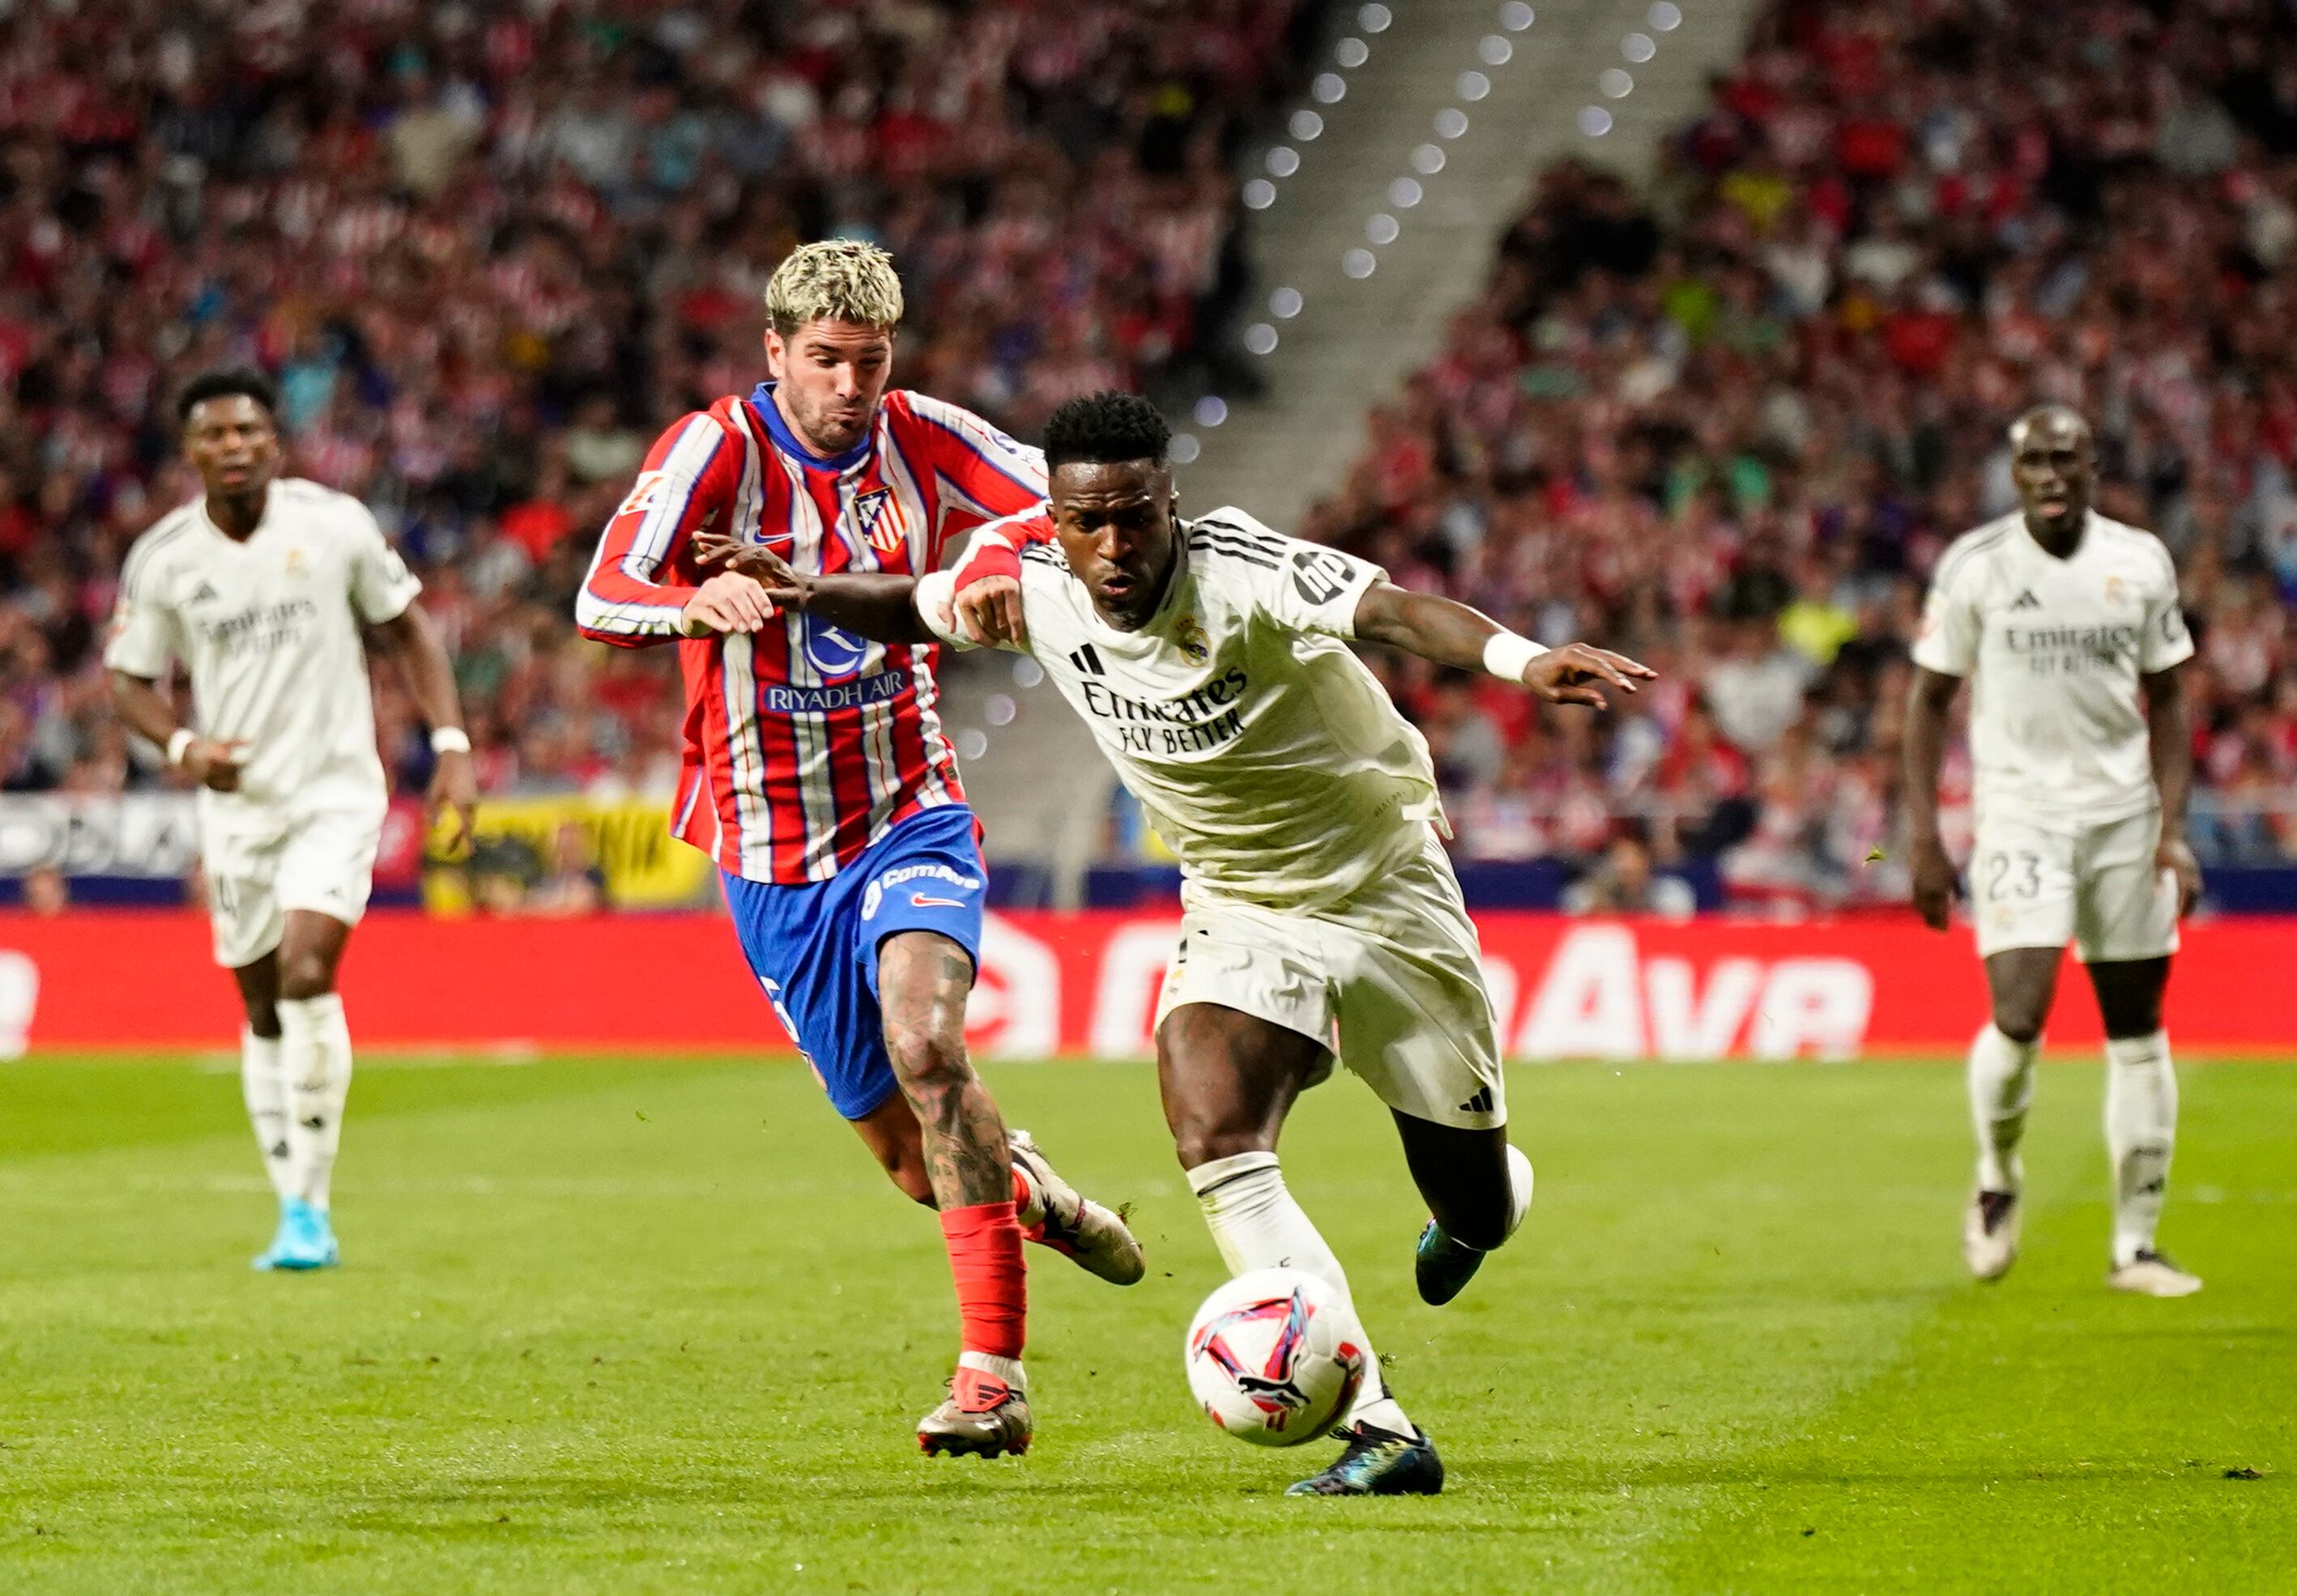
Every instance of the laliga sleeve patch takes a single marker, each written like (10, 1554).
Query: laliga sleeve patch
(643, 493)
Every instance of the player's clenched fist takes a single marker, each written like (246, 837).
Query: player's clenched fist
(1565, 675)
(215, 765)
(732, 601)
(1933, 882)
(2176, 856)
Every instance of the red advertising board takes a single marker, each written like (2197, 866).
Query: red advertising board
(1086, 984)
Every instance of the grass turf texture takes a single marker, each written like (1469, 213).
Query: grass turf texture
(631, 1329)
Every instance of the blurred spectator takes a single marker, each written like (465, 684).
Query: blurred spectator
(1623, 883)
(574, 885)
(47, 892)
(502, 871)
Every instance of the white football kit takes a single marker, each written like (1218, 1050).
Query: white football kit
(2067, 815)
(269, 631)
(1303, 808)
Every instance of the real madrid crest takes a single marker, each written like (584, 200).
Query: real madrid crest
(2114, 592)
(1192, 640)
(295, 565)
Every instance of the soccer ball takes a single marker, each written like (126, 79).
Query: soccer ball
(1275, 1357)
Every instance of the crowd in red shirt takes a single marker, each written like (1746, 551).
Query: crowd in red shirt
(1728, 427)
(489, 248)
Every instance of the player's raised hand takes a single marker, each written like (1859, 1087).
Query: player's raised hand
(732, 601)
(1933, 882)
(1568, 675)
(2175, 855)
(455, 791)
(215, 765)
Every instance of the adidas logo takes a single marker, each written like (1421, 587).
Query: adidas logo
(204, 594)
(1085, 659)
(2026, 601)
(1481, 1103)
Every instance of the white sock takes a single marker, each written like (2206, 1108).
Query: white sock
(2001, 1087)
(1008, 1370)
(265, 1090)
(2141, 1132)
(315, 1048)
(1256, 1225)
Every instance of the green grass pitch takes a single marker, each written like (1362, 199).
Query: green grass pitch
(660, 1327)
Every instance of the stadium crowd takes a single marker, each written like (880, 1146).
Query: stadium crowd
(1729, 430)
(489, 247)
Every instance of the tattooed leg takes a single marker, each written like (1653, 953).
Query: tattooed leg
(922, 981)
(923, 978)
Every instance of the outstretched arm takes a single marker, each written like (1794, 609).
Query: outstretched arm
(1452, 634)
(868, 603)
(1933, 872)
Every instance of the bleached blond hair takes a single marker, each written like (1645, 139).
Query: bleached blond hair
(840, 279)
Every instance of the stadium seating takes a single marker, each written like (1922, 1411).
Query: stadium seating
(488, 248)
(1728, 428)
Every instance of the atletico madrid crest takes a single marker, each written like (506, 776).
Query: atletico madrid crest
(877, 520)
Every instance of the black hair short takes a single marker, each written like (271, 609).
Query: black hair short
(1106, 429)
(242, 380)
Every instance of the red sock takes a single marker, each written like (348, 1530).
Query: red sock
(992, 1287)
(1021, 1196)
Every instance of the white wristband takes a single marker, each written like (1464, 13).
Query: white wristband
(450, 739)
(1505, 654)
(185, 736)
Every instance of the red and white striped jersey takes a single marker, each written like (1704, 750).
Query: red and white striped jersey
(804, 744)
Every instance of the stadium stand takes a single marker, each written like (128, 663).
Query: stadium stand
(1728, 427)
(489, 248)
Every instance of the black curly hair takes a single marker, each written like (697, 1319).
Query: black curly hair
(1105, 429)
(243, 381)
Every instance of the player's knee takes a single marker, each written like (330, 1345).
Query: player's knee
(2128, 1017)
(927, 1060)
(307, 973)
(2018, 1019)
(1199, 1142)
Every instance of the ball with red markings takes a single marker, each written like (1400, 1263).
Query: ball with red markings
(1275, 1357)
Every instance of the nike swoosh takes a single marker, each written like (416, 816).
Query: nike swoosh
(920, 901)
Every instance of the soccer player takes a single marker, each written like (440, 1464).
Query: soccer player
(2068, 625)
(261, 588)
(1320, 915)
(817, 775)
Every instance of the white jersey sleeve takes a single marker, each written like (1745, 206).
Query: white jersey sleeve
(382, 586)
(1947, 639)
(935, 596)
(1302, 586)
(146, 637)
(2166, 641)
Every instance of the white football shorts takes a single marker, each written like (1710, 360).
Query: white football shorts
(2093, 884)
(1391, 979)
(322, 861)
